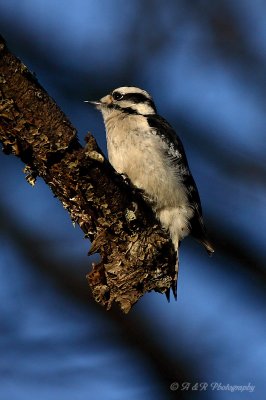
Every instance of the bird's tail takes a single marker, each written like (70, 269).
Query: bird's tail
(208, 246)
(198, 231)
(174, 281)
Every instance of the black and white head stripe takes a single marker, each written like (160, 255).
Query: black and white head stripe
(138, 100)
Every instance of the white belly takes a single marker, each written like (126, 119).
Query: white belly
(139, 154)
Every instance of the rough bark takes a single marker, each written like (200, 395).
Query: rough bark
(136, 255)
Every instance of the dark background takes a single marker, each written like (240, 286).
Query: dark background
(204, 64)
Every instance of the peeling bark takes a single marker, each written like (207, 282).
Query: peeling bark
(137, 256)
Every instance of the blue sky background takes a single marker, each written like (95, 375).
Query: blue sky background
(204, 63)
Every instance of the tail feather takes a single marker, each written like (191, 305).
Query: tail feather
(174, 288)
(208, 246)
(198, 231)
(210, 249)
(174, 282)
(203, 239)
(174, 291)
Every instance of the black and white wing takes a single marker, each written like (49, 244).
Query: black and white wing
(177, 153)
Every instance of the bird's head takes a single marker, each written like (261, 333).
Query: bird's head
(126, 99)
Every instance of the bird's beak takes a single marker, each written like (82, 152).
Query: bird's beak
(103, 102)
(94, 103)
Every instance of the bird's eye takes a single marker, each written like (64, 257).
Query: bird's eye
(117, 96)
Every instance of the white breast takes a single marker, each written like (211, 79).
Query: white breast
(133, 149)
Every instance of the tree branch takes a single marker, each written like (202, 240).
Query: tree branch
(136, 255)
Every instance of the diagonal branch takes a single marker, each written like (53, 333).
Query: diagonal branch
(136, 255)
